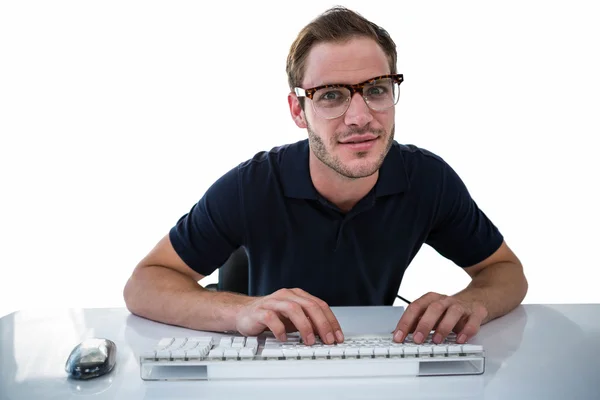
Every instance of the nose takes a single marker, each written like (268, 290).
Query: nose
(358, 112)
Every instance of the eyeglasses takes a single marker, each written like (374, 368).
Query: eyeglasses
(332, 101)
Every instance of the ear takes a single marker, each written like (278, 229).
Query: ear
(296, 111)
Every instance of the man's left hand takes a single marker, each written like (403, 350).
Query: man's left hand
(443, 314)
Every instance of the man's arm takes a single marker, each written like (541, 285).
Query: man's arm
(461, 232)
(163, 288)
(498, 285)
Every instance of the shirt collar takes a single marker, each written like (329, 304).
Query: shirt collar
(392, 174)
(295, 175)
(297, 183)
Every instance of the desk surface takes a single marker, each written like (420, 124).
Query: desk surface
(535, 352)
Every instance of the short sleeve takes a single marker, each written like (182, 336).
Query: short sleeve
(206, 236)
(461, 231)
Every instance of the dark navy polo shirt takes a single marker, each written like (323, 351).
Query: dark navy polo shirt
(296, 238)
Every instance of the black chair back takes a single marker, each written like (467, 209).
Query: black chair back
(233, 274)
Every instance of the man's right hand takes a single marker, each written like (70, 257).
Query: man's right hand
(290, 310)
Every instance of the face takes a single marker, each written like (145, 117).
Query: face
(355, 144)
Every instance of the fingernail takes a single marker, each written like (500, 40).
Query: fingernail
(310, 339)
(330, 338)
(437, 338)
(398, 336)
(418, 338)
(282, 337)
(340, 336)
(462, 338)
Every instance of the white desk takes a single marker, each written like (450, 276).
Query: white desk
(535, 352)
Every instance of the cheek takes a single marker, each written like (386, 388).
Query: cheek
(334, 132)
(326, 130)
(389, 119)
(383, 122)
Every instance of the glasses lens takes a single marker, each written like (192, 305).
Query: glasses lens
(381, 94)
(331, 102)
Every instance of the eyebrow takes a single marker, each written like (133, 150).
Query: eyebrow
(347, 84)
(377, 77)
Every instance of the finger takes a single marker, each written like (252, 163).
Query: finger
(430, 318)
(270, 319)
(407, 323)
(324, 320)
(293, 311)
(461, 324)
(289, 326)
(471, 327)
(411, 316)
(453, 315)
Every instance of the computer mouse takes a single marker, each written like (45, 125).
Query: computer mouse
(91, 358)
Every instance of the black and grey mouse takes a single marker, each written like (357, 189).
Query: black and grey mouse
(91, 358)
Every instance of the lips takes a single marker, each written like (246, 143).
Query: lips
(360, 143)
(359, 139)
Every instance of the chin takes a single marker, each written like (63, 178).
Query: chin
(361, 168)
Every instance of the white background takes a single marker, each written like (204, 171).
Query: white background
(116, 116)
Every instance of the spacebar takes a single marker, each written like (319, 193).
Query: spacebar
(312, 369)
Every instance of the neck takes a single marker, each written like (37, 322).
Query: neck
(342, 191)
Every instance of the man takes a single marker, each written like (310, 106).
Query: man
(332, 220)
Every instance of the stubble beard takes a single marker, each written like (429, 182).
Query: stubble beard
(364, 170)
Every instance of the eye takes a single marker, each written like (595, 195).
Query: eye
(331, 95)
(377, 91)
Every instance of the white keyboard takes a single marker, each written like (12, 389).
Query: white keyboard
(264, 357)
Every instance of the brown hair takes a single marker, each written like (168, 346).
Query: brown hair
(337, 24)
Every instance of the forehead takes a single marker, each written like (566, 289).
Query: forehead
(353, 61)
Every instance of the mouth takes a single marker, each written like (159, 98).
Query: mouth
(360, 142)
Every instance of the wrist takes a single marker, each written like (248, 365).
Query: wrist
(474, 298)
(233, 306)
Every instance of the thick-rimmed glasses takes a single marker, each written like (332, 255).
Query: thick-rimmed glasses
(332, 101)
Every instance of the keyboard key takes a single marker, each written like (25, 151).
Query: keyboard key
(272, 353)
(472, 348)
(336, 352)
(454, 349)
(291, 352)
(321, 352)
(201, 338)
(396, 351)
(216, 352)
(247, 352)
(351, 352)
(201, 350)
(411, 351)
(425, 350)
(381, 351)
(164, 343)
(176, 344)
(451, 338)
(305, 352)
(230, 353)
(178, 355)
(182, 352)
(163, 355)
(440, 350)
(365, 351)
